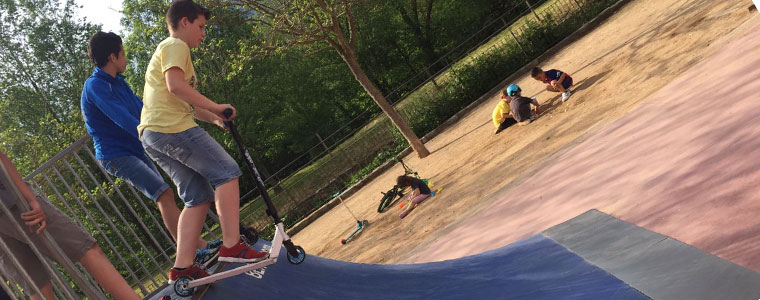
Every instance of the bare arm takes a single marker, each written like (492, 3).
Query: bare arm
(562, 77)
(207, 116)
(535, 103)
(175, 82)
(35, 216)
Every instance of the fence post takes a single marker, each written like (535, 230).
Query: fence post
(518, 43)
(321, 141)
(432, 78)
(533, 10)
(580, 7)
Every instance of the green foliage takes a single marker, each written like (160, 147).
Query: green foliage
(43, 63)
(284, 98)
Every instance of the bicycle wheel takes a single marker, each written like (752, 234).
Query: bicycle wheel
(386, 200)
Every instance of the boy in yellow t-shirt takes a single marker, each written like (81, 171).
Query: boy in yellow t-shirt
(200, 168)
(501, 116)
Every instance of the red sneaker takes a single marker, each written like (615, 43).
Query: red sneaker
(241, 253)
(194, 272)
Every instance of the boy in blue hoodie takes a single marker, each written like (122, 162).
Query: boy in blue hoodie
(111, 113)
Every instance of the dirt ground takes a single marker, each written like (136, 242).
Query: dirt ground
(615, 67)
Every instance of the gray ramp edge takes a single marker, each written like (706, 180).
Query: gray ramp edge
(658, 266)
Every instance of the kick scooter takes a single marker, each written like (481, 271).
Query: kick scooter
(184, 286)
(360, 225)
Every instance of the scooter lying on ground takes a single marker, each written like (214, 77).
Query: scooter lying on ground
(360, 225)
(184, 286)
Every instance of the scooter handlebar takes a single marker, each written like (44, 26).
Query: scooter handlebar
(227, 113)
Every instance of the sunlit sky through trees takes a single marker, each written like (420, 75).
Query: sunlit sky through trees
(104, 12)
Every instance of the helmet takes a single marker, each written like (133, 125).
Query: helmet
(512, 89)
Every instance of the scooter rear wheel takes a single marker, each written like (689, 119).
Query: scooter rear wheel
(180, 286)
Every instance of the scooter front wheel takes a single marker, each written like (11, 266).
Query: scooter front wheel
(297, 259)
(180, 286)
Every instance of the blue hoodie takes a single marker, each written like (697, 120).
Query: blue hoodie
(111, 113)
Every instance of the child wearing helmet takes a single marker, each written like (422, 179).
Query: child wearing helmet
(520, 106)
(556, 81)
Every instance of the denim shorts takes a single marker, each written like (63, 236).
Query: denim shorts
(196, 163)
(140, 172)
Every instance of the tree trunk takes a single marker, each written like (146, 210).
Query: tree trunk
(389, 110)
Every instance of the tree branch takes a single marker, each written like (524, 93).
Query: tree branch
(352, 32)
(428, 17)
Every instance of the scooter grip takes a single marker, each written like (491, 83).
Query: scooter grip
(227, 113)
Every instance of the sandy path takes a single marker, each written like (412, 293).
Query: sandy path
(681, 164)
(616, 67)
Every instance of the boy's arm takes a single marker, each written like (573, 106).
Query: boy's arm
(175, 82)
(207, 116)
(561, 77)
(535, 103)
(97, 93)
(35, 216)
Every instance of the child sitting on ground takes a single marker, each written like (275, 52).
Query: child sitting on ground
(520, 106)
(420, 191)
(501, 115)
(556, 81)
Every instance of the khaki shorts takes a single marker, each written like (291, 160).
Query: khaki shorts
(72, 239)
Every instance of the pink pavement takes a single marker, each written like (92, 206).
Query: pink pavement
(685, 163)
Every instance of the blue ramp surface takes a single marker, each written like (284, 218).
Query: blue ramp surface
(534, 268)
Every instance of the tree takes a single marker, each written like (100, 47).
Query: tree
(314, 22)
(419, 20)
(43, 64)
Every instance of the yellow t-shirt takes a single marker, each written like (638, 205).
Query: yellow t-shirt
(163, 111)
(498, 111)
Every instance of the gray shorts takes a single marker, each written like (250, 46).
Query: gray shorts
(196, 163)
(72, 239)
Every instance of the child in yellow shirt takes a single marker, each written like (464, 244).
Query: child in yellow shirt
(202, 170)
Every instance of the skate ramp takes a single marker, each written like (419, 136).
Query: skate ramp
(592, 256)
(534, 268)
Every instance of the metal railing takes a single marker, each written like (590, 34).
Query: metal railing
(126, 224)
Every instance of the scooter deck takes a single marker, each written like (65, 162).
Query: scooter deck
(201, 291)
(359, 229)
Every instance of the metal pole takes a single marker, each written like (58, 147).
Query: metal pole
(132, 211)
(48, 242)
(6, 288)
(346, 206)
(534, 11)
(97, 227)
(579, 6)
(14, 260)
(321, 141)
(121, 218)
(518, 42)
(110, 223)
